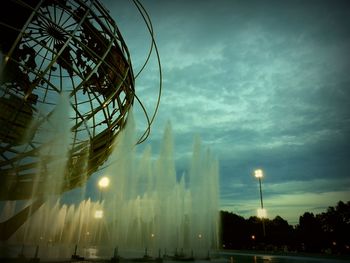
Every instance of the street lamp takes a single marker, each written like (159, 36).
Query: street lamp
(98, 214)
(98, 230)
(103, 183)
(200, 245)
(259, 174)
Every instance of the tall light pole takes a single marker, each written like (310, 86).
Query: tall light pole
(103, 183)
(259, 174)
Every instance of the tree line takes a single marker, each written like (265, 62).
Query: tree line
(327, 232)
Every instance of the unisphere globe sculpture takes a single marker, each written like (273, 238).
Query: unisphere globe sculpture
(50, 48)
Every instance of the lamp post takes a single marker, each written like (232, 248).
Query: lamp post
(259, 174)
(103, 183)
(200, 249)
(98, 216)
(152, 244)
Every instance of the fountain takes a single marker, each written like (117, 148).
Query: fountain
(66, 91)
(147, 206)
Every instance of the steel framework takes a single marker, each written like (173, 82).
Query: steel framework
(49, 48)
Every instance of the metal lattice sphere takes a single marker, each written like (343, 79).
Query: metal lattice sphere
(52, 49)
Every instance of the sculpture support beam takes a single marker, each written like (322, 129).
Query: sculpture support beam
(10, 226)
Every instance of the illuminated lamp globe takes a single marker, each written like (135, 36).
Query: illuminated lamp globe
(103, 182)
(258, 173)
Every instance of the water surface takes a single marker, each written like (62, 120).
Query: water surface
(261, 258)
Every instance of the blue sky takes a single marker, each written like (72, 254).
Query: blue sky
(265, 84)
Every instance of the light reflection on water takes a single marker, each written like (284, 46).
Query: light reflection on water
(249, 258)
(100, 254)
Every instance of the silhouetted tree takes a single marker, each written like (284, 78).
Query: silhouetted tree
(279, 232)
(310, 233)
(325, 232)
(335, 223)
(235, 233)
(256, 228)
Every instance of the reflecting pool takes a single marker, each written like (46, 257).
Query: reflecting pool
(261, 258)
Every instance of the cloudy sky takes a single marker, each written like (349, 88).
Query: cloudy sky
(266, 84)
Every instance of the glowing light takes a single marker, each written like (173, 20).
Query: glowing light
(103, 182)
(262, 213)
(258, 173)
(98, 214)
